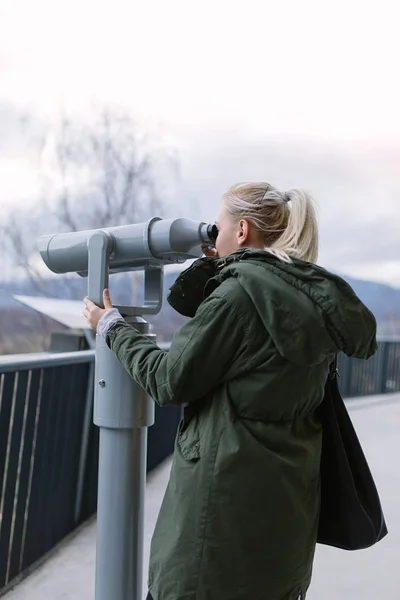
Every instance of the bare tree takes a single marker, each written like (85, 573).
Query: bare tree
(105, 173)
(94, 174)
(18, 241)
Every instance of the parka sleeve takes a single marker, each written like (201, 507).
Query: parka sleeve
(202, 355)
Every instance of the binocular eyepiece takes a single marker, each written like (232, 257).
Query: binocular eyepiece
(212, 232)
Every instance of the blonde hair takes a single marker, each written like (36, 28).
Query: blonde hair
(287, 220)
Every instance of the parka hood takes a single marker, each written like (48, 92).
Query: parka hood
(309, 312)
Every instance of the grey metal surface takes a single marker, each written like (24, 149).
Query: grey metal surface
(41, 360)
(99, 247)
(153, 294)
(118, 566)
(119, 402)
(123, 412)
(131, 246)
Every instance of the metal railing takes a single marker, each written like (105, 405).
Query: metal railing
(49, 445)
(49, 453)
(43, 403)
(378, 375)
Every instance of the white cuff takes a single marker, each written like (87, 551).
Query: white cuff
(107, 320)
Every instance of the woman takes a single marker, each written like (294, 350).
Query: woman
(239, 518)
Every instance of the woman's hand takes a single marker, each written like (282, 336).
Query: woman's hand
(93, 313)
(208, 251)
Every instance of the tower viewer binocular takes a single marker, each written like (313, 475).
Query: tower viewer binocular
(130, 247)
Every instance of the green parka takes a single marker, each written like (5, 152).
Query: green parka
(240, 514)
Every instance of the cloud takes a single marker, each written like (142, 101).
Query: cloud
(358, 204)
(272, 68)
(10, 126)
(358, 209)
(21, 136)
(21, 129)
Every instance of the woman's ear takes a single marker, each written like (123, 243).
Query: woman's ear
(243, 232)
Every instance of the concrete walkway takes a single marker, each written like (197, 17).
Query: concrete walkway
(372, 574)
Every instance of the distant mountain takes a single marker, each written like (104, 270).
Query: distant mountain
(383, 300)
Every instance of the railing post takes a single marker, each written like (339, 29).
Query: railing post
(381, 376)
(345, 374)
(87, 422)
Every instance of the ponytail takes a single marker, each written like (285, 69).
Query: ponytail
(300, 236)
(287, 220)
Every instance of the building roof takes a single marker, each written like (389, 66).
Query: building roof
(66, 312)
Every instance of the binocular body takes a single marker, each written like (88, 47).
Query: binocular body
(130, 247)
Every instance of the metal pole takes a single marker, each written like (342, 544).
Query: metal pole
(123, 413)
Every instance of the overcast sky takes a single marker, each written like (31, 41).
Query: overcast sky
(295, 93)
